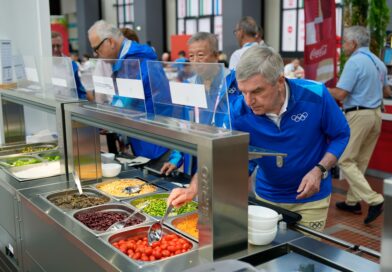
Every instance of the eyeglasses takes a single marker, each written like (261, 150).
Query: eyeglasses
(96, 48)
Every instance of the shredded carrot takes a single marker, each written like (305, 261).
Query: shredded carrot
(189, 225)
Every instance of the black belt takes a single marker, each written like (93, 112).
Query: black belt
(358, 108)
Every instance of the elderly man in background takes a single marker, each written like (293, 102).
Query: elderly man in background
(57, 51)
(109, 43)
(248, 35)
(360, 88)
(203, 48)
(292, 116)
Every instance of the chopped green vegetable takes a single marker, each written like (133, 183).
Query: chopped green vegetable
(157, 207)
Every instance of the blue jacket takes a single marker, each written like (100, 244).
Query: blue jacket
(312, 125)
(134, 50)
(79, 87)
(221, 119)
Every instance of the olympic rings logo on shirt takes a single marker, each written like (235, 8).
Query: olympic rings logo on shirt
(299, 117)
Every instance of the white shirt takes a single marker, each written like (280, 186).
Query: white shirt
(236, 56)
(276, 118)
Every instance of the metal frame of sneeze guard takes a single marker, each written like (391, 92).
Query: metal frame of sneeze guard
(222, 174)
(58, 78)
(195, 92)
(118, 86)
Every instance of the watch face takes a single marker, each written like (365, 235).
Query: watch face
(325, 174)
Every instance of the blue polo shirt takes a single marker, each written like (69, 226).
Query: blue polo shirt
(363, 77)
(312, 125)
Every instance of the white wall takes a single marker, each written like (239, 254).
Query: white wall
(109, 11)
(272, 23)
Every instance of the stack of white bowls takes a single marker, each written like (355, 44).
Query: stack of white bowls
(262, 225)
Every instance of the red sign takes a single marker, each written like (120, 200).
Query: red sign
(320, 41)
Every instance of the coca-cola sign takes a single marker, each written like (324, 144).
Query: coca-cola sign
(318, 53)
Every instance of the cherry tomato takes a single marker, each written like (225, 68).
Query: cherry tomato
(177, 252)
(186, 246)
(148, 250)
(165, 253)
(137, 255)
(152, 258)
(157, 255)
(171, 248)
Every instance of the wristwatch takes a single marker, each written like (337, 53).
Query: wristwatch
(324, 171)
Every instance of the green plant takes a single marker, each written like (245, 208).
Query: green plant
(378, 20)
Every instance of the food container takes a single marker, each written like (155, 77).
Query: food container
(115, 187)
(171, 243)
(110, 170)
(25, 149)
(157, 206)
(98, 219)
(186, 224)
(17, 161)
(259, 238)
(71, 200)
(50, 156)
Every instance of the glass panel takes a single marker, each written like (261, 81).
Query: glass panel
(289, 30)
(191, 26)
(218, 30)
(121, 15)
(301, 30)
(205, 24)
(218, 7)
(205, 7)
(180, 26)
(193, 8)
(59, 80)
(118, 85)
(195, 92)
(180, 8)
(289, 4)
(128, 13)
(339, 21)
(27, 71)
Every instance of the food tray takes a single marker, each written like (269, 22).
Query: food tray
(172, 223)
(12, 161)
(26, 149)
(117, 197)
(142, 232)
(135, 202)
(114, 207)
(90, 192)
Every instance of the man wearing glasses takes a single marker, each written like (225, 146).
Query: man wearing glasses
(57, 51)
(109, 43)
(247, 35)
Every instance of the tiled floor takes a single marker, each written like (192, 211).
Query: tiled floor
(350, 227)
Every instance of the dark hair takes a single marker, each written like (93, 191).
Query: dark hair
(182, 53)
(130, 34)
(249, 26)
(56, 34)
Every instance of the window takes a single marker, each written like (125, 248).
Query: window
(292, 39)
(125, 13)
(200, 15)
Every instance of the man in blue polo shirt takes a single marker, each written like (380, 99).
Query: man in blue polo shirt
(297, 117)
(360, 88)
(109, 43)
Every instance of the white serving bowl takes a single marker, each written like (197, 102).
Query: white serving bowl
(261, 238)
(110, 170)
(108, 156)
(265, 224)
(252, 230)
(261, 213)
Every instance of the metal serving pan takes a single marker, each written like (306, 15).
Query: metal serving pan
(11, 160)
(49, 197)
(117, 197)
(109, 208)
(136, 201)
(141, 231)
(26, 149)
(172, 223)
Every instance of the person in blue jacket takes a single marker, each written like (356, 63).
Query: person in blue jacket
(109, 43)
(297, 117)
(57, 51)
(203, 48)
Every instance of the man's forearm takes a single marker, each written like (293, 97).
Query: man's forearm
(328, 161)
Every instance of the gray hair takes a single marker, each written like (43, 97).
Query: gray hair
(260, 60)
(358, 34)
(249, 26)
(105, 30)
(205, 36)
